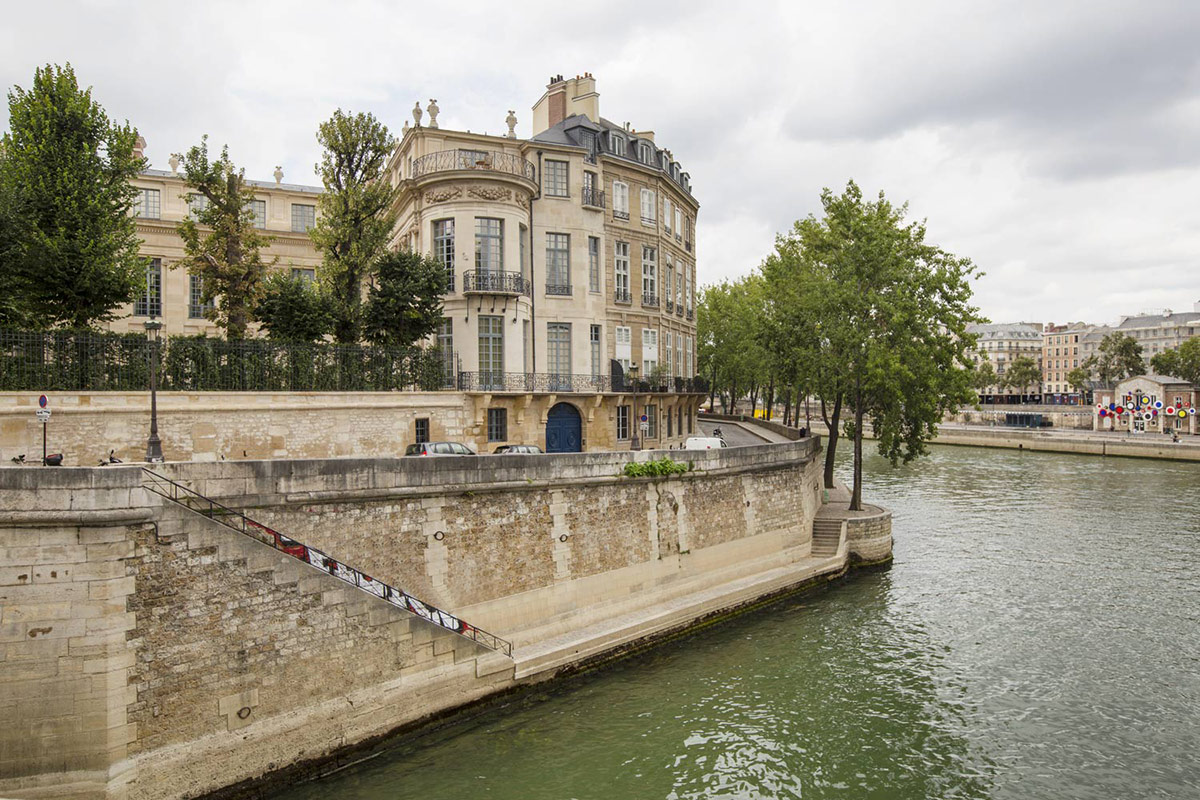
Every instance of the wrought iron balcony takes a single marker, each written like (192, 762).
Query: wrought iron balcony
(622, 296)
(679, 309)
(593, 198)
(478, 281)
(650, 299)
(560, 289)
(688, 245)
(691, 314)
(670, 306)
(455, 160)
(621, 215)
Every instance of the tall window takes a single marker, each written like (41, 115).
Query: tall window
(617, 144)
(620, 200)
(558, 263)
(558, 354)
(649, 351)
(590, 197)
(649, 274)
(421, 430)
(522, 236)
(622, 422)
(497, 424)
(196, 204)
(491, 352)
(148, 204)
(621, 270)
(648, 207)
(526, 347)
(443, 247)
(651, 413)
(555, 183)
(646, 152)
(678, 223)
(666, 215)
(445, 343)
(472, 159)
(593, 263)
(624, 337)
(304, 274)
(196, 307)
(688, 359)
(303, 217)
(149, 304)
(678, 355)
(687, 293)
(669, 351)
(595, 348)
(670, 281)
(259, 209)
(489, 244)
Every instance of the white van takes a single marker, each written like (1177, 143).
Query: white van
(704, 443)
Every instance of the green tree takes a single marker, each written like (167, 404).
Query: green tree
(404, 303)
(1183, 363)
(1023, 373)
(879, 318)
(984, 374)
(356, 213)
(1079, 378)
(68, 242)
(293, 309)
(728, 338)
(1120, 356)
(220, 242)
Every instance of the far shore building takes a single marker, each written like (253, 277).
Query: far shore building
(557, 293)
(1157, 333)
(1147, 404)
(1001, 344)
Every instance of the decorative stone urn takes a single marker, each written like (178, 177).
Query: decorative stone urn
(433, 112)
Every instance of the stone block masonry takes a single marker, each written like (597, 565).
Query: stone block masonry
(147, 652)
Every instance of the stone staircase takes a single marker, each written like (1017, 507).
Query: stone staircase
(826, 537)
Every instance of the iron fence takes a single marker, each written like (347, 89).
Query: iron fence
(65, 360)
(489, 161)
(593, 197)
(552, 382)
(235, 520)
(622, 296)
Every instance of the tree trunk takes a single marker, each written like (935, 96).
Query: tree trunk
(787, 408)
(770, 398)
(831, 447)
(856, 497)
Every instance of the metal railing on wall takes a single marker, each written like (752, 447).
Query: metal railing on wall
(64, 360)
(558, 382)
(239, 522)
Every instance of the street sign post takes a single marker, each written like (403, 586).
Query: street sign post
(43, 415)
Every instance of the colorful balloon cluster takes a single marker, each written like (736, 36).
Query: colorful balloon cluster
(1141, 406)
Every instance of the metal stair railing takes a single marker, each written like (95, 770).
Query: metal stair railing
(235, 520)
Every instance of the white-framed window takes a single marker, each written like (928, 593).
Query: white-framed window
(646, 152)
(687, 362)
(622, 422)
(621, 199)
(259, 209)
(666, 215)
(443, 247)
(196, 306)
(621, 270)
(489, 244)
(687, 292)
(624, 345)
(649, 273)
(669, 351)
(670, 279)
(648, 206)
(196, 204)
(679, 368)
(149, 303)
(649, 351)
(558, 350)
(306, 274)
(617, 143)
(594, 341)
(558, 263)
(593, 263)
(303, 217)
(678, 223)
(148, 204)
(445, 343)
(555, 181)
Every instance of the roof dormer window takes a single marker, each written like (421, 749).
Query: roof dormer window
(646, 152)
(616, 144)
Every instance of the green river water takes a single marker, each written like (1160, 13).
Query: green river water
(1038, 636)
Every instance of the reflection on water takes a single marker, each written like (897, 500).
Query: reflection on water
(1036, 637)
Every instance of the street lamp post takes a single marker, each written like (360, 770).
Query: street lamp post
(154, 453)
(633, 436)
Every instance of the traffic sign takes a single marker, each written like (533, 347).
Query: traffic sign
(645, 427)
(42, 401)
(644, 418)
(43, 415)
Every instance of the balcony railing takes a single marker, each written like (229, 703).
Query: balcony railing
(622, 296)
(679, 309)
(560, 289)
(670, 306)
(621, 215)
(454, 160)
(478, 281)
(691, 314)
(593, 198)
(650, 299)
(648, 220)
(688, 245)
(449, 282)
(557, 383)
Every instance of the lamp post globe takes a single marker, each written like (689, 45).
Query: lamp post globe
(154, 453)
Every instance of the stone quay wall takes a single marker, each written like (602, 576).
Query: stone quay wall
(148, 652)
(236, 426)
(870, 536)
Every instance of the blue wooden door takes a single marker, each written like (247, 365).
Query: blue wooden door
(564, 429)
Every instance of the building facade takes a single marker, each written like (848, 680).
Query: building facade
(283, 211)
(1002, 344)
(1147, 404)
(1060, 354)
(1157, 333)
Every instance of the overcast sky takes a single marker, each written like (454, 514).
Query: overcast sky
(1055, 144)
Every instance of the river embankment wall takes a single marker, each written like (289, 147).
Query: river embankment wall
(149, 652)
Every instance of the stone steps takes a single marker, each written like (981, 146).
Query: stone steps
(826, 537)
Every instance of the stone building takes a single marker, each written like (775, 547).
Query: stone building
(1147, 404)
(283, 211)
(1157, 333)
(1060, 354)
(1001, 344)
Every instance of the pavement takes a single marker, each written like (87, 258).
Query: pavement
(1186, 440)
(738, 434)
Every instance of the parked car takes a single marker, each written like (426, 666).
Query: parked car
(704, 443)
(438, 449)
(531, 449)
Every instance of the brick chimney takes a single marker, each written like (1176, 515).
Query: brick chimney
(565, 97)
